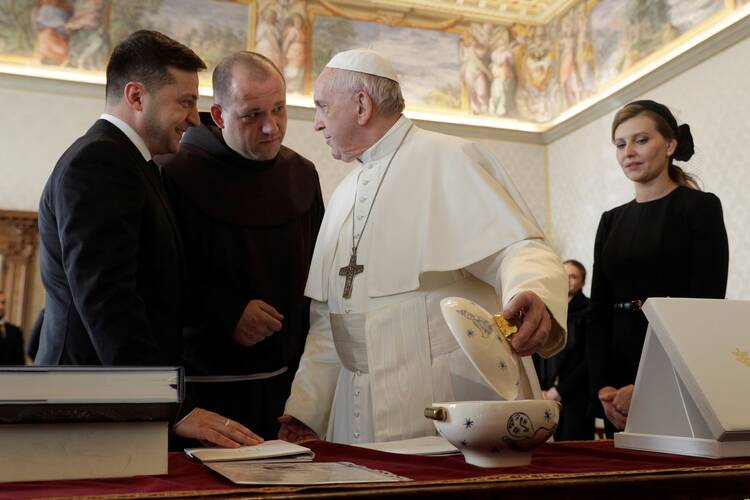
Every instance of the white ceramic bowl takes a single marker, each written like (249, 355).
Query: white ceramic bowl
(496, 433)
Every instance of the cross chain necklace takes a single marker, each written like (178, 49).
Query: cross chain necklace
(353, 268)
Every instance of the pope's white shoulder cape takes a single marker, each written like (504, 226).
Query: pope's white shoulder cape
(445, 203)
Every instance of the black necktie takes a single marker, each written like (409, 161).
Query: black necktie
(154, 168)
(155, 173)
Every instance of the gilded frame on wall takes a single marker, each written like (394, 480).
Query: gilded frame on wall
(454, 69)
(19, 238)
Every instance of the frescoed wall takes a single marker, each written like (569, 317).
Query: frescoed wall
(529, 73)
(78, 35)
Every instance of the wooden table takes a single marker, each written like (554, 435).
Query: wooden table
(583, 470)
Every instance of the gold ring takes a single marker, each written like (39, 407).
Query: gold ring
(226, 423)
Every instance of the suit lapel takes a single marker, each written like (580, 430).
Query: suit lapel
(152, 176)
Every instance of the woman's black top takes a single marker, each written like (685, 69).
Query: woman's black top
(675, 246)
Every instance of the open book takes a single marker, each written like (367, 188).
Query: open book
(266, 452)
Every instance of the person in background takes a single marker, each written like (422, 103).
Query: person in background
(670, 241)
(11, 339)
(564, 377)
(249, 211)
(111, 255)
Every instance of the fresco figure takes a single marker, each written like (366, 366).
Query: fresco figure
(50, 17)
(538, 95)
(650, 27)
(474, 71)
(88, 30)
(268, 35)
(503, 75)
(568, 75)
(585, 59)
(294, 47)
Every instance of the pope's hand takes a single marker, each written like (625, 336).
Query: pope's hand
(211, 428)
(551, 394)
(294, 431)
(535, 324)
(259, 320)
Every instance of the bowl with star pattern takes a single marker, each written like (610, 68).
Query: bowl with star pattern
(496, 433)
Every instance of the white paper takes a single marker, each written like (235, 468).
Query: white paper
(266, 450)
(427, 445)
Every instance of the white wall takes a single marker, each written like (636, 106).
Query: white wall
(714, 98)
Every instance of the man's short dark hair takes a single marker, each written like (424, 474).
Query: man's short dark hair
(260, 67)
(580, 267)
(146, 56)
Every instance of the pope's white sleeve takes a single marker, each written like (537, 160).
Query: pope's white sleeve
(314, 384)
(529, 265)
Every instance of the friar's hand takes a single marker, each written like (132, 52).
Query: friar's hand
(213, 429)
(259, 320)
(535, 324)
(294, 431)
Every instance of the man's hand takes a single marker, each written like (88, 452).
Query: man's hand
(211, 428)
(614, 401)
(259, 320)
(294, 431)
(527, 311)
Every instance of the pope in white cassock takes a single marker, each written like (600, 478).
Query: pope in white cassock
(423, 216)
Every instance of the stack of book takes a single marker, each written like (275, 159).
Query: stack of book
(86, 422)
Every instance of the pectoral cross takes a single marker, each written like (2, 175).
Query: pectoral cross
(350, 272)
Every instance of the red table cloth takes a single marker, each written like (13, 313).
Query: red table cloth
(552, 460)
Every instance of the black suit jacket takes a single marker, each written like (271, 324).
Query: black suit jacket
(111, 258)
(11, 346)
(569, 366)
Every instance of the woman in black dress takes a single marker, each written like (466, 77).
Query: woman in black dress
(669, 241)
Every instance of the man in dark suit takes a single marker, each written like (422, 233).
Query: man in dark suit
(11, 339)
(111, 257)
(564, 377)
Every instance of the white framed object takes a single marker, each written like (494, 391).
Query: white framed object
(691, 391)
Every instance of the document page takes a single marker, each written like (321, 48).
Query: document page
(301, 474)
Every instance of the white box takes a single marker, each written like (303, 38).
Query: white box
(691, 393)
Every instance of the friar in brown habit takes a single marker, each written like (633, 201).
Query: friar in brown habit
(249, 210)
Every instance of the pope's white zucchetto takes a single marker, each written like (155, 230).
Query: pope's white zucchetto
(365, 61)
